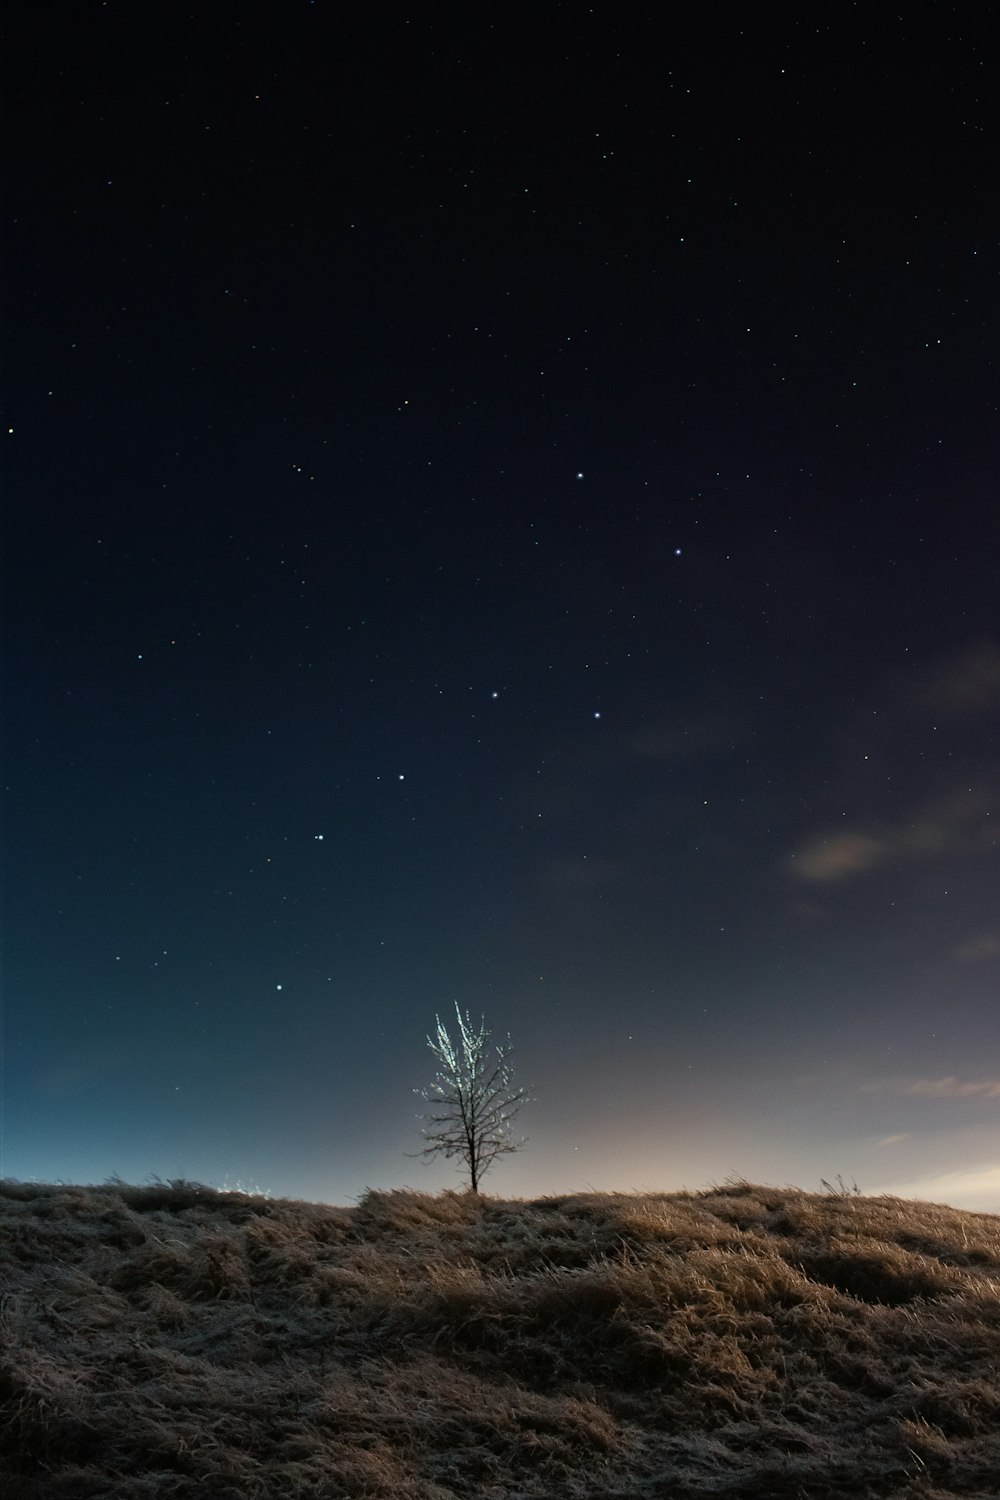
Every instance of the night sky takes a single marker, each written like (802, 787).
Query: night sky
(502, 508)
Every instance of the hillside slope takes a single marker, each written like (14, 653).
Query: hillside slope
(745, 1341)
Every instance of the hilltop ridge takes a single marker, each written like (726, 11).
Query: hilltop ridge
(744, 1340)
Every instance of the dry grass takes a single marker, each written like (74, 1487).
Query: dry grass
(746, 1341)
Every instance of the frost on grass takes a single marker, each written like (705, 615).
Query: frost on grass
(746, 1341)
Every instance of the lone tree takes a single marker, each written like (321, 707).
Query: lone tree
(473, 1099)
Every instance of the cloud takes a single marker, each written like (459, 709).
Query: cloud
(957, 824)
(977, 950)
(976, 1189)
(953, 1088)
(838, 857)
(688, 734)
(896, 1140)
(581, 874)
(936, 1088)
(964, 684)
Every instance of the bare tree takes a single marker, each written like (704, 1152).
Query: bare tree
(473, 1099)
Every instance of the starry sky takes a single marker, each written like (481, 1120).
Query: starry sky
(501, 508)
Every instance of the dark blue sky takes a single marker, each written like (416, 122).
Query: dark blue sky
(503, 513)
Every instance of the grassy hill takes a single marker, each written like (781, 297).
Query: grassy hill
(175, 1341)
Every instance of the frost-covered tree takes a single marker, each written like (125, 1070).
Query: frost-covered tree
(473, 1099)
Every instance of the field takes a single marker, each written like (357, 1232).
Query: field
(170, 1340)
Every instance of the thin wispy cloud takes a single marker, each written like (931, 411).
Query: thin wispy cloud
(954, 1088)
(963, 684)
(976, 1189)
(581, 875)
(959, 824)
(689, 736)
(935, 1088)
(839, 857)
(877, 824)
(979, 949)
